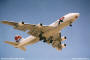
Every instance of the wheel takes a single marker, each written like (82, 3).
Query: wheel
(44, 40)
(70, 25)
(51, 41)
(64, 44)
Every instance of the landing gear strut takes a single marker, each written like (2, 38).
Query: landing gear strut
(40, 35)
(70, 24)
(42, 38)
(65, 37)
(41, 24)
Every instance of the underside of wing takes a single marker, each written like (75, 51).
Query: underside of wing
(58, 28)
(11, 43)
(56, 41)
(63, 25)
(31, 28)
(19, 26)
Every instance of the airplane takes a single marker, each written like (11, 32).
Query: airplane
(50, 34)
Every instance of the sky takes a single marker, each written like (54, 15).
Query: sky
(46, 12)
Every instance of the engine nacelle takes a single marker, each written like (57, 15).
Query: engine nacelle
(39, 24)
(60, 46)
(21, 23)
(63, 45)
(63, 38)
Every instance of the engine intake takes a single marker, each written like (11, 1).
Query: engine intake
(63, 38)
(40, 24)
(22, 22)
(63, 45)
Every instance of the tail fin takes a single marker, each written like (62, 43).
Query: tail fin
(15, 44)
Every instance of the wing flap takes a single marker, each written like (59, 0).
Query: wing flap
(19, 26)
(62, 25)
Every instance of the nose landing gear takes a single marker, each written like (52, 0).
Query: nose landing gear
(70, 24)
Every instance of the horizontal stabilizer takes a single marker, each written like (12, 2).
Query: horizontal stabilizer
(15, 44)
(11, 43)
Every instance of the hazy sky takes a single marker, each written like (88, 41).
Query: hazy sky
(46, 11)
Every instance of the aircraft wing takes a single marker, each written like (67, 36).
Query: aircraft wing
(63, 25)
(57, 29)
(19, 26)
(25, 27)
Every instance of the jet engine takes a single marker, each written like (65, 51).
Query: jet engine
(60, 46)
(21, 23)
(63, 38)
(63, 45)
(40, 24)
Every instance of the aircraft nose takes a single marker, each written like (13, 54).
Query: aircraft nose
(76, 15)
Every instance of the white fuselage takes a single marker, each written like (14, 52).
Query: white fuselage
(70, 16)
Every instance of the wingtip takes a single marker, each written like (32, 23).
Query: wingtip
(0, 21)
(3, 21)
(5, 41)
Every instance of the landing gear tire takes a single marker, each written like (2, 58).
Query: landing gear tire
(65, 45)
(44, 41)
(51, 41)
(70, 25)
